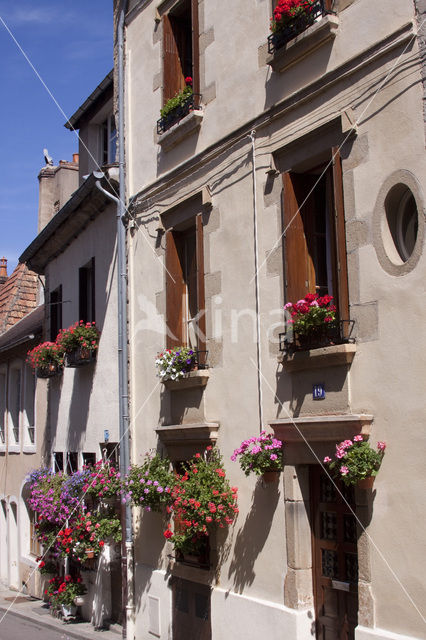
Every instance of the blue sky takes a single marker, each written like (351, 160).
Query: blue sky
(70, 46)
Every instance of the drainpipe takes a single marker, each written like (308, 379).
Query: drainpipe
(252, 137)
(123, 380)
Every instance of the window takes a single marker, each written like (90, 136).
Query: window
(314, 235)
(58, 461)
(402, 222)
(2, 408)
(29, 403)
(89, 459)
(185, 302)
(55, 312)
(87, 292)
(191, 610)
(180, 48)
(35, 546)
(108, 141)
(15, 380)
(72, 462)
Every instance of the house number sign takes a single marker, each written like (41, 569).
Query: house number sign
(318, 392)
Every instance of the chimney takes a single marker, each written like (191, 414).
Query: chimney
(3, 270)
(57, 183)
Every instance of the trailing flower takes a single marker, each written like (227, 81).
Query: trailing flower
(172, 364)
(179, 99)
(202, 499)
(355, 460)
(288, 10)
(150, 484)
(87, 533)
(311, 314)
(103, 481)
(80, 334)
(55, 496)
(64, 590)
(46, 355)
(259, 455)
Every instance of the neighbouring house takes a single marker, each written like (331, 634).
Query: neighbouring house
(22, 424)
(75, 253)
(296, 165)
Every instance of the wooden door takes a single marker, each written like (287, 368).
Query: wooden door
(335, 559)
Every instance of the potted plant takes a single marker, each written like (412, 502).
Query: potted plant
(313, 320)
(291, 17)
(261, 456)
(202, 500)
(103, 483)
(79, 343)
(173, 364)
(46, 359)
(176, 107)
(150, 484)
(355, 462)
(68, 591)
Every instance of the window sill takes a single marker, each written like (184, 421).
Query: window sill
(192, 379)
(193, 574)
(29, 448)
(180, 130)
(321, 428)
(2, 448)
(184, 441)
(14, 448)
(332, 356)
(304, 44)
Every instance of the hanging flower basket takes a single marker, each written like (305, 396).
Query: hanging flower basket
(270, 477)
(48, 370)
(366, 483)
(80, 357)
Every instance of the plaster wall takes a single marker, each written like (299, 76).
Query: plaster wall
(83, 402)
(387, 374)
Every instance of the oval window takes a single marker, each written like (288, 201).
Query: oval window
(401, 221)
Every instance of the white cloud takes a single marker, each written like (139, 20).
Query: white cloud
(35, 15)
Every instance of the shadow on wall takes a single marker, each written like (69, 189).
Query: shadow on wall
(53, 399)
(79, 405)
(251, 538)
(148, 544)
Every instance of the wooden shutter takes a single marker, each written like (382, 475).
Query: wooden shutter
(174, 293)
(92, 292)
(299, 269)
(340, 237)
(173, 80)
(195, 46)
(201, 298)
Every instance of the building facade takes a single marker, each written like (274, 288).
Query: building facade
(296, 168)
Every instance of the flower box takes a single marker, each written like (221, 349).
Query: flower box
(79, 357)
(290, 21)
(48, 371)
(191, 103)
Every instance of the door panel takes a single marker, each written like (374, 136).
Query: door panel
(335, 559)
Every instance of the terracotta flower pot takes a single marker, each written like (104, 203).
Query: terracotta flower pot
(271, 476)
(90, 553)
(366, 483)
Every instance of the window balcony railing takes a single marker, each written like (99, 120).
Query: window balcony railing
(31, 434)
(2, 435)
(15, 431)
(295, 26)
(192, 103)
(340, 333)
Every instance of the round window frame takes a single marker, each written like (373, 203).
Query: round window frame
(386, 251)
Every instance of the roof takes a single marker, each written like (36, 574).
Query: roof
(18, 296)
(26, 329)
(107, 83)
(84, 206)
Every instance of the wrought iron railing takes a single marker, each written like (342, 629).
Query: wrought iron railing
(201, 359)
(2, 435)
(338, 333)
(31, 434)
(295, 26)
(192, 103)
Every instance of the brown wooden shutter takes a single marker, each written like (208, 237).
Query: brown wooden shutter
(172, 69)
(201, 298)
(174, 293)
(340, 236)
(195, 46)
(299, 271)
